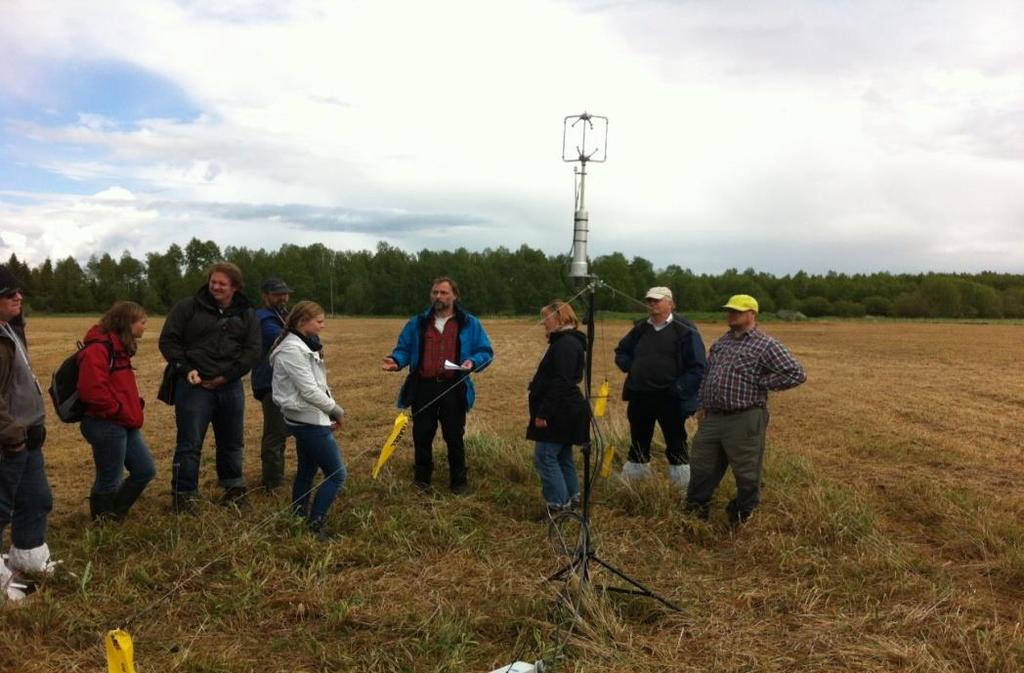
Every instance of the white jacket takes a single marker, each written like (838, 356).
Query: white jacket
(300, 384)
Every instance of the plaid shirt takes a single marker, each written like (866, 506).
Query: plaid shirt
(741, 370)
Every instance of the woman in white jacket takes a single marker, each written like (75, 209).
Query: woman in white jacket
(301, 391)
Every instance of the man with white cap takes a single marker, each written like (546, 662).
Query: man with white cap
(743, 366)
(663, 357)
(25, 496)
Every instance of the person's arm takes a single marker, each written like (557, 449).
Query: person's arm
(624, 351)
(783, 370)
(481, 353)
(172, 337)
(252, 349)
(94, 386)
(12, 433)
(402, 353)
(694, 362)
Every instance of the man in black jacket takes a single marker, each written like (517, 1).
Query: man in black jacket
(663, 357)
(211, 340)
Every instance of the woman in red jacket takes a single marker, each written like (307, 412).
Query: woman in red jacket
(113, 411)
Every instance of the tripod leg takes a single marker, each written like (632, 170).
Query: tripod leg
(640, 588)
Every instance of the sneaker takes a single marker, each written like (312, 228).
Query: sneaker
(234, 495)
(184, 503)
(461, 488)
(422, 486)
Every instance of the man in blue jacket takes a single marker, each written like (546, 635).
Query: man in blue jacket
(439, 392)
(271, 316)
(663, 357)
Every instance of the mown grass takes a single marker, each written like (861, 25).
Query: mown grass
(870, 553)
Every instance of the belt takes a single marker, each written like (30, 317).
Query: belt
(439, 378)
(731, 412)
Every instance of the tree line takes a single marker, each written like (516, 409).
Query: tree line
(390, 281)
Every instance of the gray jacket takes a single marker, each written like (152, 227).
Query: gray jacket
(21, 398)
(300, 384)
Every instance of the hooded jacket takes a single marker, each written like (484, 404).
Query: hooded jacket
(473, 344)
(555, 394)
(300, 383)
(108, 389)
(21, 400)
(200, 335)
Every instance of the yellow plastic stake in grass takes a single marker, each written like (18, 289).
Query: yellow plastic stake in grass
(601, 405)
(120, 654)
(606, 462)
(401, 421)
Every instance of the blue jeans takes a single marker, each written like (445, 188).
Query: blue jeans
(195, 408)
(25, 495)
(316, 449)
(557, 471)
(114, 448)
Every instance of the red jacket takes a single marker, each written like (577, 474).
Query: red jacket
(110, 393)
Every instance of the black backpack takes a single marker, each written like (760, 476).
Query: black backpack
(64, 384)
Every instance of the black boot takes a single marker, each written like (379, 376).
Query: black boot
(183, 502)
(101, 506)
(234, 495)
(126, 496)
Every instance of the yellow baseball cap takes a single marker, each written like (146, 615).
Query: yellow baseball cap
(742, 302)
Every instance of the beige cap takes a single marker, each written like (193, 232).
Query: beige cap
(658, 293)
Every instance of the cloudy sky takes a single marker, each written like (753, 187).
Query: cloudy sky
(839, 134)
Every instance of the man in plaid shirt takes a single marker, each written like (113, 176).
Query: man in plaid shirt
(743, 366)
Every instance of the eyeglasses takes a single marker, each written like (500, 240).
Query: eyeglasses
(10, 294)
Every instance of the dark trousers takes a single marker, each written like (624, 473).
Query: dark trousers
(643, 410)
(728, 440)
(25, 495)
(275, 432)
(316, 450)
(450, 411)
(195, 409)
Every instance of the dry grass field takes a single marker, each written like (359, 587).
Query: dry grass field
(891, 537)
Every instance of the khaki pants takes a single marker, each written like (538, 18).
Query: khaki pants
(728, 440)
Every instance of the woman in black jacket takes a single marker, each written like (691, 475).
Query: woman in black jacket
(559, 414)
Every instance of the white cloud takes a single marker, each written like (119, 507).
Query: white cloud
(804, 134)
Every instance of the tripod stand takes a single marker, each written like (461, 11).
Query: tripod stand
(585, 554)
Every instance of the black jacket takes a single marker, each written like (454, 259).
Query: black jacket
(218, 342)
(554, 391)
(690, 364)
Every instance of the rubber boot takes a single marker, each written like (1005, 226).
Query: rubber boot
(101, 506)
(126, 496)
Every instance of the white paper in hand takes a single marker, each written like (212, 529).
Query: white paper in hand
(452, 367)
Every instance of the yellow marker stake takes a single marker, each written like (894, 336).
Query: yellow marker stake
(602, 400)
(389, 446)
(120, 654)
(606, 464)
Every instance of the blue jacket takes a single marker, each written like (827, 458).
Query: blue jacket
(271, 326)
(691, 360)
(473, 344)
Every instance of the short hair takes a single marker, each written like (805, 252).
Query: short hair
(566, 315)
(230, 270)
(303, 312)
(446, 279)
(119, 320)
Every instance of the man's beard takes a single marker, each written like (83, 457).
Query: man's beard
(441, 306)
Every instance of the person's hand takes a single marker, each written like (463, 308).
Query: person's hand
(335, 426)
(17, 448)
(215, 382)
(193, 377)
(389, 365)
(540, 422)
(467, 365)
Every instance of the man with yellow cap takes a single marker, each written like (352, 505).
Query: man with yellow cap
(743, 365)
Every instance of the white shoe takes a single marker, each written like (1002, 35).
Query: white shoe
(635, 471)
(35, 561)
(679, 476)
(11, 589)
